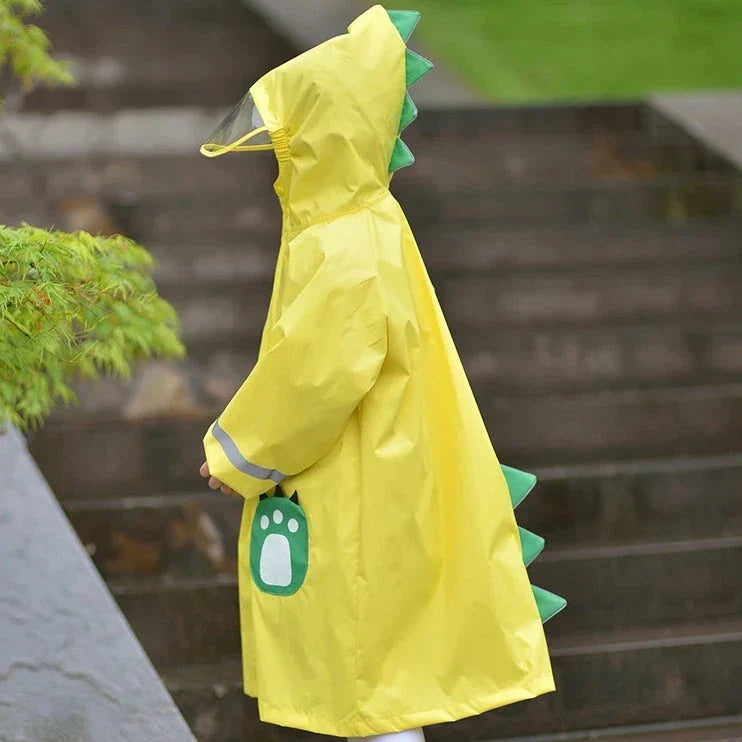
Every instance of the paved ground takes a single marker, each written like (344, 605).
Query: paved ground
(713, 116)
(70, 666)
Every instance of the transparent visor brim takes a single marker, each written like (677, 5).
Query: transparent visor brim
(241, 130)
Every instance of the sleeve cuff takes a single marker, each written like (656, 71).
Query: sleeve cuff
(223, 469)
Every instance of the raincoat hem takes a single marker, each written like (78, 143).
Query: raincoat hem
(363, 726)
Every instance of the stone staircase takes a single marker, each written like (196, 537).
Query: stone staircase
(588, 261)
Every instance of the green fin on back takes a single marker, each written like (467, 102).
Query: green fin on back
(416, 67)
(520, 483)
(548, 603)
(404, 21)
(531, 545)
(409, 113)
(401, 156)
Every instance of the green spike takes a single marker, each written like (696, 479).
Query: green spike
(404, 21)
(401, 156)
(520, 483)
(409, 113)
(531, 545)
(548, 603)
(417, 66)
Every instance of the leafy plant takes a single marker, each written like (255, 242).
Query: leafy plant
(73, 304)
(24, 47)
(70, 304)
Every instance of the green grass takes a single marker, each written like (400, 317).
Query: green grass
(517, 51)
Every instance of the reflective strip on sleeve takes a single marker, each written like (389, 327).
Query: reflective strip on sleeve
(239, 461)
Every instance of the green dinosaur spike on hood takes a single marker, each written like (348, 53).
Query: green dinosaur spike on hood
(401, 156)
(404, 21)
(548, 603)
(417, 67)
(531, 545)
(520, 483)
(409, 113)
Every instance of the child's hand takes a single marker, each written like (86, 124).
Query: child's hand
(214, 483)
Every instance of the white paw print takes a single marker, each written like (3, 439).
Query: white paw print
(292, 525)
(275, 555)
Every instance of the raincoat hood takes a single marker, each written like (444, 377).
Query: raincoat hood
(333, 115)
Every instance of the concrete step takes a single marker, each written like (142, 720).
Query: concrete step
(495, 301)
(209, 217)
(205, 217)
(148, 197)
(665, 200)
(189, 535)
(601, 140)
(100, 457)
(210, 697)
(155, 54)
(471, 250)
(527, 361)
(609, 356)
(626, 502)
(197, 619)
(710, 115)
(609, 589)
(614, 588)
(480, 160)
(117, 171)
(228, 217)
(83, 455)
(603, 504)
(593, 295)
(503, 362)
(637, 679)
(211, 312)
(721, 729)
(573, 428)
(464, 247)
(534, 120)
(73, 154)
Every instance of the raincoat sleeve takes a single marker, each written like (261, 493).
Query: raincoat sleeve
(321, 358)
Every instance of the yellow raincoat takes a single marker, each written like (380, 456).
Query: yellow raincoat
(382, 583)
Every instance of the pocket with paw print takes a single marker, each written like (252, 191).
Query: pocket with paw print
(279, 544)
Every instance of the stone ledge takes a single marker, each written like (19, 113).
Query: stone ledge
(711, 116)
(70, 666)
(128, 132)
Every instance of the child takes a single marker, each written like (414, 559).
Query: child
(382, 576)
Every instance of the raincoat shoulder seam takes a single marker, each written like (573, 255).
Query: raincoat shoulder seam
(327, 218)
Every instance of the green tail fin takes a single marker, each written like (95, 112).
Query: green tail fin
(404, 21)
(520, 484)
(548, 603)
(401, 156)
(531, 545)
